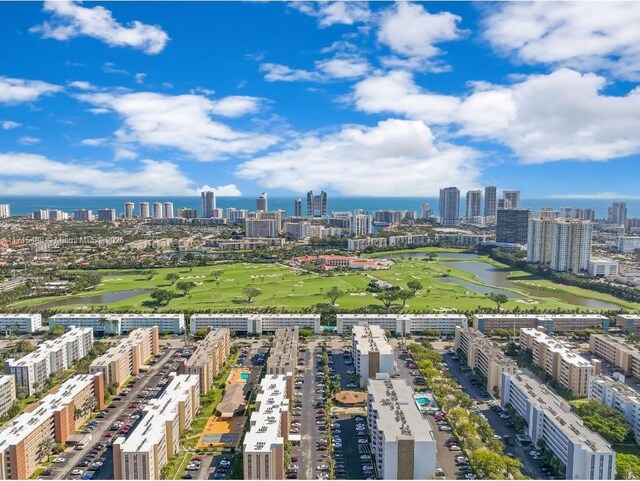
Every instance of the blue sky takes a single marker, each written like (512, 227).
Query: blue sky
(354, 98)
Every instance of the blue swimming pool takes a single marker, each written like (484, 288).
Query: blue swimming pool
(245, 376)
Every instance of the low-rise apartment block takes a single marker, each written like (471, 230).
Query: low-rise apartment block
(7, 393)
(616, 351)
(613, 392)
(157, 437)
(55, 417)
(372, 353)
(585, 454)
(570, 370)
(124, 360)
(283, 357)
(208, 358)
(255, 323)
(402, 440)
(20, 323)
(486, 360)
(550, 322)
(628, 322)
(121, 323)
(403, 324)
(263, 446)
(33, 370)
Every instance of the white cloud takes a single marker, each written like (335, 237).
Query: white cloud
(394, 158)
(139, 77)
(60, 178)
(27, 140)
(586, 36)
(94, 142)
(229, 190)
(82, 85)
(14, 90)
(411, 31)
(122, 153)
(343, 67)
(99, 111)
(9, 124)
(70, 19)
(332, 13)
(339, 67)
(183, 122)
(281, 73)
(543, 118)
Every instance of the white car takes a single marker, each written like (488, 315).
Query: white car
(76, 472)
(362, 441)
(365, 457)
(59, 460)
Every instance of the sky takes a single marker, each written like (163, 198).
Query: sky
(354, 98)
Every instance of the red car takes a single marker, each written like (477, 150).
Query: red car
(108, 435)
(134, 406)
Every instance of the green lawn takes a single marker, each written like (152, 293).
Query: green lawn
(294, 290)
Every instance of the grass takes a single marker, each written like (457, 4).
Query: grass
(294, 290)
(178, 464)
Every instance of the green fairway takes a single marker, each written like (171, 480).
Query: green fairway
(288, 289)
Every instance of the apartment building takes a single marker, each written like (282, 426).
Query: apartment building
(7, 393)
(283, 357)
(550, 322)
(255, 323)
(33, 370)
(487, 361)
(563, 244)
(124, 360)
(558, 360)
(628, 322)
(20, 323)
(613, 392)
(372, 353)
(402, 441)
(156, 438)
(55, 417)
(208, 358)
(549, 418)
(121, 323)
(263, 445)
(616, 351)
(403, 324)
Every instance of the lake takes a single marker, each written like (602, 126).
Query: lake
(106, 298)
(441, 255)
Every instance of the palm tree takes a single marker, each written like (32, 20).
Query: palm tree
(46, 447)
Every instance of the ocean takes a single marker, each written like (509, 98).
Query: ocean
(24, 205)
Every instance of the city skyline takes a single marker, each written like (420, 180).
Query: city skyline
(456, 99)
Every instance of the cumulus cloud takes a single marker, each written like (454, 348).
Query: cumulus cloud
(81, 85)
(9, 124)
(410, 31)
(274, 72)
(228, 190)
(183, 122)
(70, 19)
(27, 140)
(393, 158)
(339, 67)
(14, 90)
(71, 178)
(96, 142)
(332, 13)
(139, 77)
(560, 116)
(586, 36)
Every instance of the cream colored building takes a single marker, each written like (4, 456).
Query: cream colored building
(283, 357)
(616, 351)
(550, 322)
(53, 417)
(483, 357)
(7, 393)
(208, 358)
(157, 437)
(263, 446)
(255, 323)
(124, 360)
(372, 353)
(568, 368)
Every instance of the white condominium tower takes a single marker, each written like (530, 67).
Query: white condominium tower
(490, 200)
(128, 210)
(316, 204)
(156, 210)
(564, 244)
(167, 210)
(450, 206)
(618, 213)
(143, 210)
(474, 203)
(5, 210)
(262, 203)
(513, 197)
(208, 198)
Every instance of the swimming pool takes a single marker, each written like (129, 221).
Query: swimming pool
(422, 401)
(245, 376)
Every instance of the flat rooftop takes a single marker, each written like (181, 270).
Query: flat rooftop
(265, 422)
(541, 316)
(620, 342)
(123, 347)
(24, 424)
(398, 414)
(202, 354)
(400, 316)
(20, 316)
(486, 346)
(559, 411)
(47, 347)
(371, 338)
(619, 386)
(284, 352)
(560, 347)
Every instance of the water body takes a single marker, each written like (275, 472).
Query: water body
(105, 298)
(478, 288)
(441, 255)
(499, 277)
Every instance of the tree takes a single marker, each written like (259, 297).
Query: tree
(161, 297)
(251, 292)
(405, 294)
(605, 421)
(387, 297)
(201, 333)
(415, 286)
(172, 277)
(488, 464)
(77, 413)
(185, 286)
(499, 299)
(333, 294)
(57, 330)
(627, 466)
(150, 275)
(46, 447)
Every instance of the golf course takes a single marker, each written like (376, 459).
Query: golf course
(450, 283)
